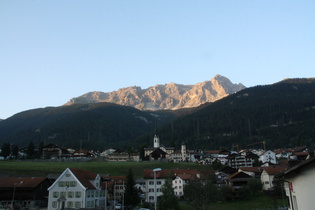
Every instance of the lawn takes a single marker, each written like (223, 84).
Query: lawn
(263, 201)
(33, 168)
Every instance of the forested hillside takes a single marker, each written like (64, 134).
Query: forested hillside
(95, 126)
(281, 114)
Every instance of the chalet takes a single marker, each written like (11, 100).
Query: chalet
(24, 192)
(118, 155)
(299, 185)
(82, 153)
(252, 171)
(52, 151)
(76, 188)
(238, 179)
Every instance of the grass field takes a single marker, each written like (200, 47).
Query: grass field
(261, 202)
(32, 168)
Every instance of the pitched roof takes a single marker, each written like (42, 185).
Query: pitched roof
(84, 176)
(166, 173)
(21, 182)
(274, 170)
(239, 174)
(251, 169)
(299, 166)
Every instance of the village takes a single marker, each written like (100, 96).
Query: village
(76, 188)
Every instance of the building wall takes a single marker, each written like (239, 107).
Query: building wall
(266, 180)
(60, 188)
(150, 189)
(75, 194)
(301, 194)
(178, 186)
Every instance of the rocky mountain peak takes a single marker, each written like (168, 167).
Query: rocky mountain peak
(168, 96)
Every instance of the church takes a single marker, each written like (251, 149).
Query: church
(167, 154)
(158, 152)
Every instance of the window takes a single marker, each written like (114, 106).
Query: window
(54, 204)
(70, 194)
(67, 175)
(63, 194)
(151, 198)
(78, 194)
(158, 182)
(151, 182)
(266, 182)
(180, 187)
(96, 194)
(78, 204)
(61, 184)
(55, 194)
(69, 204)
(73, 184)
(151, 190)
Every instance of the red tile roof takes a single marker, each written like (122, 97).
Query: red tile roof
(84, 176)
(21, 182)
(274, 170)
(166, 173)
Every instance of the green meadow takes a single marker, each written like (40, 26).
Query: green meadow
(33, 168)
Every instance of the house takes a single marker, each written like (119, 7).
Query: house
(161, 176)
(118, 155)
(115, 186)
(76, 188)
(283, 153)
(299, 185)
(252, 171)
(52, 151)
(267, 176)
(183, 177)
(179, 177)
(24, 192)
(82, 153)
(238, 179)
(268, 157)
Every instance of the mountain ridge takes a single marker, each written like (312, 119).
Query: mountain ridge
(169, 96)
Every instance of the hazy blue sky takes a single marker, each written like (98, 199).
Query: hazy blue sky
(51, 51)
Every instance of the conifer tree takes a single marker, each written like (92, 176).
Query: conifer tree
(131, 193)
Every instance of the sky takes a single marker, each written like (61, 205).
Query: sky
(54, 50)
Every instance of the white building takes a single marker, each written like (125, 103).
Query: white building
(148, 176)
(268, 157)
(76, 188)
(267, 176)
(299, 185)
(180, 178)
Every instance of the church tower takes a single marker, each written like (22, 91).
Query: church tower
(156, 142)
(184, 152)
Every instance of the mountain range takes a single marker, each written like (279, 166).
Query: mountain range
(164, 97)
(282, 114)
